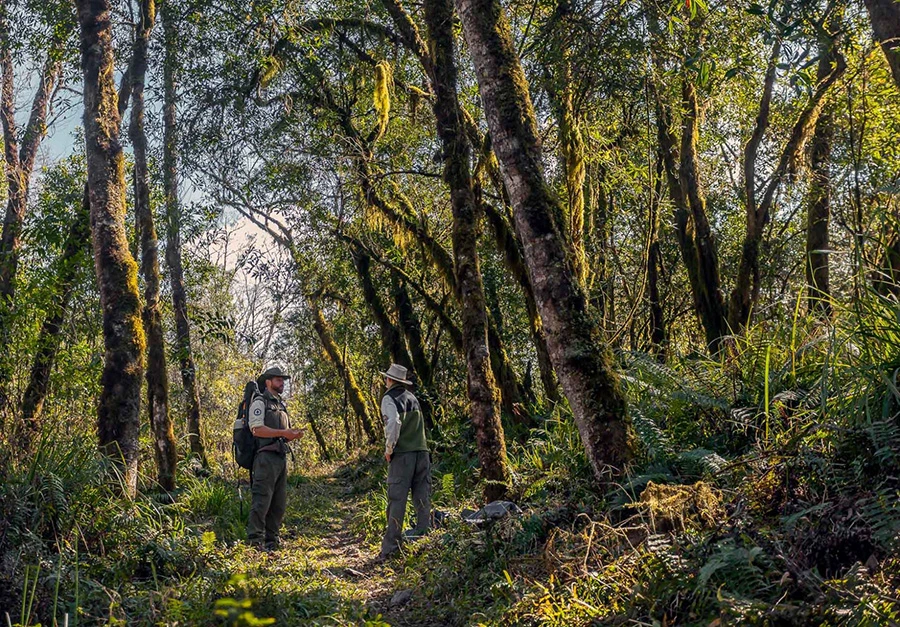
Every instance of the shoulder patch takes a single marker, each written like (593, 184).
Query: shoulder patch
(257, 412)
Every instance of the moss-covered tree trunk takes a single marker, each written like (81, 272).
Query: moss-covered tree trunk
(484, 399)
(885, 18)
(696, 241)
(581, 360)
(354, 393)
(401, 215)
(317, 433)
(183, 348)
(164, 445)
(509, 247)
(118, 416)
(392, 339)
(702, 245)
(412, 330)
(572, 159)
(68, 266)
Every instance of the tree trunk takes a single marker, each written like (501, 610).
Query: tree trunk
(391, 339)
(885, 18)
(709, 284)
(409, 323)
(19, 155)
(571, 144)
(819, 199)
(403, 217)
(695, 239)
(69, 263)
(164, 445)
(355, 394)
(745, 294)
(183, 347)
(484, 399)
(508, 246)
(317, 432)
(818, 216)
(654, 264)
(118, 416)
(582, 362)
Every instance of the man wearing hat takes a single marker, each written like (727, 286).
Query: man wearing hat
(269, 423)
(406, 451)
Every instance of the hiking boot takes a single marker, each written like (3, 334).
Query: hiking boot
(257, 546)
(413, 534)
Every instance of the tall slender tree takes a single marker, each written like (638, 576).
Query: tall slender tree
(183, 347)
(582, 362)
(118, 416)
(484, 399)
(164, 445)
(20, 153)
(759, 200)
(818, 212)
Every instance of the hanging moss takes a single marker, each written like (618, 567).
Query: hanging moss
(384, 83)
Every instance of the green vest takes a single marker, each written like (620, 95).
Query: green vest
(276, 418)
(412, 425)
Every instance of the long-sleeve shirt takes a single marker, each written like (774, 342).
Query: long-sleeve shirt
(392, 424)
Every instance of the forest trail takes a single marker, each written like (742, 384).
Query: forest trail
(319, 536)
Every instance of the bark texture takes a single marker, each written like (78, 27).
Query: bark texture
(484, 399)
(164, 445)
(818, 210)
(581, 360)
(183, 347)
(118, 416)
(509, 247)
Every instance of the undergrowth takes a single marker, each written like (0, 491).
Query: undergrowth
(765, 492)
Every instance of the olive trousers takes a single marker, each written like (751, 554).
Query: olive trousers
(407, 472)
(269, 498)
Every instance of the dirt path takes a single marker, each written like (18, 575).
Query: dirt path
(320, 527)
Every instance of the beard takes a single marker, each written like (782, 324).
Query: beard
(278, 388)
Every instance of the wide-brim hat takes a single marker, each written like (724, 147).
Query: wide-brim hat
(273, 372)
(397, 373)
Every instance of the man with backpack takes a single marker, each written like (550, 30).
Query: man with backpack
(268, 421)
(406, 451)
